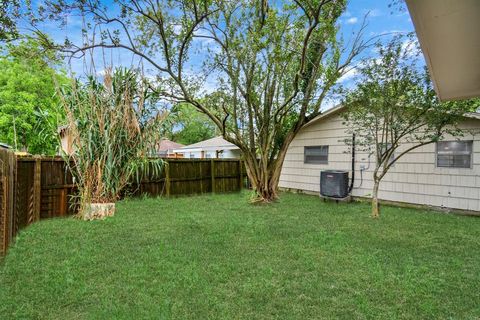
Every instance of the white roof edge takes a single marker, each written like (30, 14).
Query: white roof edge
(206, 149)
(325, 114)
(340, 107)
(472, 115)
(217, 142)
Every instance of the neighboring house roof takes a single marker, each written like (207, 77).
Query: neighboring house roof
(5, 146)
(166, 145)
(217, 143)
(448, 32)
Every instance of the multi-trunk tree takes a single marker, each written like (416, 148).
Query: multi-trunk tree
(271, 63)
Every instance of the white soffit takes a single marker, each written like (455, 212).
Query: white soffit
(449, 35)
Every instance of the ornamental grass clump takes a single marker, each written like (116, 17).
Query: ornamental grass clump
(114, 126)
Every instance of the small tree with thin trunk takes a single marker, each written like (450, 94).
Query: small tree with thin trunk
(394, 109)
(271, 63)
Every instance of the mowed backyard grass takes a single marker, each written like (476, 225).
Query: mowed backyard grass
(218, 257)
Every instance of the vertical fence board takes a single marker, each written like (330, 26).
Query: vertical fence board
(8, 221)
(167, 180)
(3, 215)
(37, 189)
(212, 175)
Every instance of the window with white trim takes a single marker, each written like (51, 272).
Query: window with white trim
(454, 154)
(316, 154)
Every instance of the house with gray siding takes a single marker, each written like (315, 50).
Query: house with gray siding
(442, 175)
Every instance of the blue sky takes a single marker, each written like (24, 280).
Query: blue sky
(381, 20)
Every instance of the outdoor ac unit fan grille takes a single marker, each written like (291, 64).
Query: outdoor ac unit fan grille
(334, 183)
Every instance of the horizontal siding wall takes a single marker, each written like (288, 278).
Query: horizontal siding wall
(413, 179)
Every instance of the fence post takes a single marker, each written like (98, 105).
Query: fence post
(201, 176)
(3, 215)
(37, 188)
(212, 171)
(167, 179)
(240, 174)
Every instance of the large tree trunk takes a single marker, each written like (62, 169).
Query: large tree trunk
(264, 174)
(266, 192)
(264, 180)
(375, 204)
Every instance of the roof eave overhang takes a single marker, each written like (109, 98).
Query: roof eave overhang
(448, 34)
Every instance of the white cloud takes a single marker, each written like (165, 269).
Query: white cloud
(330, 103)
(402, 13)
(210, 85)
(349, 75)
(73, 21)
(177, 29)
(102, 72)
(352, 20)
(200, 35)
(410, 47)
(388, 32)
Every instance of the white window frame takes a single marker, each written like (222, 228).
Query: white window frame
(316, 162)
(444, 167)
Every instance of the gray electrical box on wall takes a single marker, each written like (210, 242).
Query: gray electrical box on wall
(334, 183)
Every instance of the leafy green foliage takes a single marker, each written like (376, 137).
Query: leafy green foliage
(28, 101)
(187, 125)
(216, 257)
(9, 12)
(113, 133)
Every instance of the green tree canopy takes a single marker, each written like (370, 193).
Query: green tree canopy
(188, 126)
(9, 12)
(28, 103)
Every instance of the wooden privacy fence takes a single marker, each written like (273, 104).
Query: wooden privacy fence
(195, 176)
(34, 188)
(8, 222)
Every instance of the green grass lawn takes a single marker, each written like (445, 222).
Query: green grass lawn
(218, 257)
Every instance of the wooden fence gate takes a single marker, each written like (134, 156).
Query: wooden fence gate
(34, 188)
